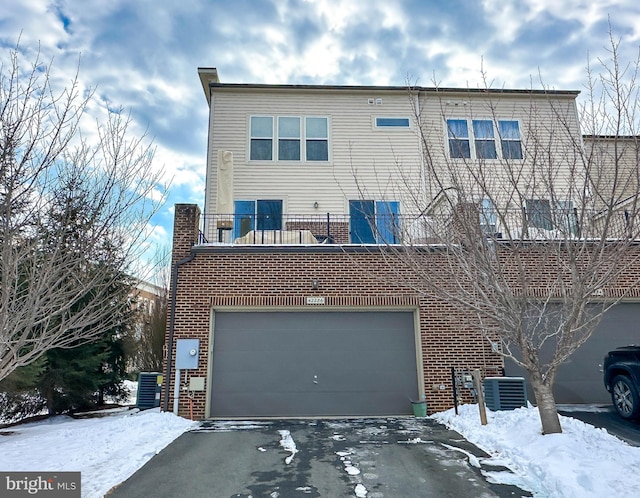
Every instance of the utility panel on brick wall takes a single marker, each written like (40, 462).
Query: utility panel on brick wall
(187, 352)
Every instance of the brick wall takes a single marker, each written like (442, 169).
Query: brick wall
(219, 276)
(258, 276)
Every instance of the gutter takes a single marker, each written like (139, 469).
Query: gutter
(172, 320)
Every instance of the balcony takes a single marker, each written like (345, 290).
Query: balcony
(407, 229)
(299, 229)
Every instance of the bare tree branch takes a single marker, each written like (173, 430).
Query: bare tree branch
(72, 213)
(534, 234)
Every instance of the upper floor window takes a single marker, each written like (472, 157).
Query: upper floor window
(485, 142)
(261, 138)
(483, 138)
(510, 138)
(458, 138)
(288, 139)
(392, 122)
(317, 139)
(293, 138)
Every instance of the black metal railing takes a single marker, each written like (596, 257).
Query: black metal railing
(329, 228)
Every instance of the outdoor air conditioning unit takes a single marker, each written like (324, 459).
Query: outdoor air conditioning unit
(505, 393)
(149, 384)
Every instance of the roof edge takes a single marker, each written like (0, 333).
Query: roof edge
(475, 91)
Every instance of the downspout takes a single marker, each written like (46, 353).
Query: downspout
(172, 320)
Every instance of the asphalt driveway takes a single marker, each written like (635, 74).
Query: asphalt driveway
(376, 458)
(605, 417)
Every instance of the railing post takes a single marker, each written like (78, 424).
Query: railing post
(328, 229)
(578, 227)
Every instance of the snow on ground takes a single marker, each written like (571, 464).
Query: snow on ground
(583, 461)
(105, 450)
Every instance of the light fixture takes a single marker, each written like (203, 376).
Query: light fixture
(316, 205)
(315, 284)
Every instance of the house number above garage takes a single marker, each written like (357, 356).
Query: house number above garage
(315, 300)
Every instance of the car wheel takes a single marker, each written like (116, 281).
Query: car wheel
(625, 397)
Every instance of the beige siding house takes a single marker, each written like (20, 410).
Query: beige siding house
(289, 295)
(314, 150)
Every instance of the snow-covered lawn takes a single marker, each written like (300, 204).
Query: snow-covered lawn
(105, 450)
(581, 462)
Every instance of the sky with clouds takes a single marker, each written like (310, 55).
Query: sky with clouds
(143, 55)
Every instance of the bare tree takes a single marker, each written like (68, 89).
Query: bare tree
(73, 210)
(533, 234)
(152, 325)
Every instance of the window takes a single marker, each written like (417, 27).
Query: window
(559, 216)
(487, 217)
(539, 213)
(257, 215)
(484, 139)
(565, 217)
(485, 142)
(374, 222)
(317, 139)
(458, 138)
(261, 138)
(289, 132)
(288, 139)
(392, 122)
(510, 138)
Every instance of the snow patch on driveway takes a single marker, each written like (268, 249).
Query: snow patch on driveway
(288, 444)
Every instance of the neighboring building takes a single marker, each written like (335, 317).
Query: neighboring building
(147, 296)
(284, 281)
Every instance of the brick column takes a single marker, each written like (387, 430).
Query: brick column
(185, 230)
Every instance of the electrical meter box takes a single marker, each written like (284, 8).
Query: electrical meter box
(187, 353)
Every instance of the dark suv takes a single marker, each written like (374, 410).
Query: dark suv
(622, 379)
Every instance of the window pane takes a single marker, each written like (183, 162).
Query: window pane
(487, 216)
(317, 150)
(401, 122)
(289, 150)
(261, 150)
(509, 130)
(483, 129)
(269, 215)
(459, 148)
(388, 222)
(289, 127)
(457, 128)
(486, 149)
(511, 149)
(244, 217)
(539, 213)
(565, 218)
(362, 214)
(317, 128)
(261, 127)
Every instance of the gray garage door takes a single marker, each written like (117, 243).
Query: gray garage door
(313, 364)
(580, 380)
